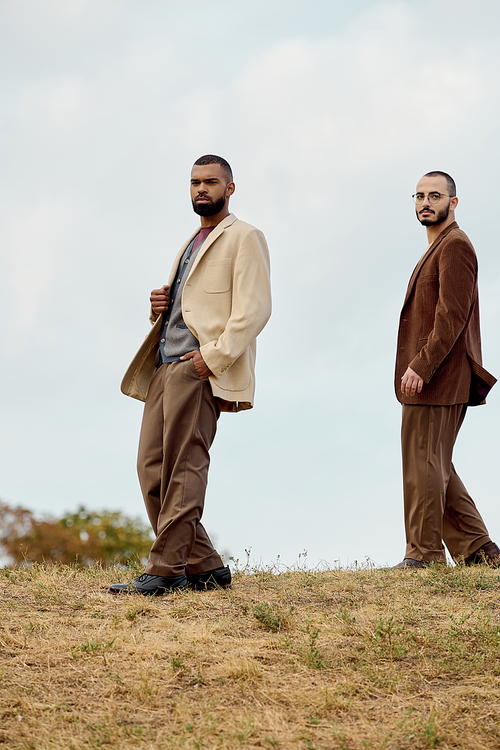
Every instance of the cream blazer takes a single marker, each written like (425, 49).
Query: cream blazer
(226, 303)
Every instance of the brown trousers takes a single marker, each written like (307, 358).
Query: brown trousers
(437, 505)
(178, 428)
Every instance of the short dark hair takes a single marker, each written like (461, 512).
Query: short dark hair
(452, 188)
(212, 159)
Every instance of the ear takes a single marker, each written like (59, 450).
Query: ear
(230, 188)
(453, 203)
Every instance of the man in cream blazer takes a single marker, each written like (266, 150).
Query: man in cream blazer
(198, 360)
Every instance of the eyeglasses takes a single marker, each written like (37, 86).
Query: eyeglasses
(433, 197)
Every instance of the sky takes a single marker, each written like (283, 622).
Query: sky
(329, 113)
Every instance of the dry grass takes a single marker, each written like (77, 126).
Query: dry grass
(326, 660)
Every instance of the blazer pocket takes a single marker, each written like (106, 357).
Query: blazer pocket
(217, 276)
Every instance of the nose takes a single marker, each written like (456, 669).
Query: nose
(426, 201)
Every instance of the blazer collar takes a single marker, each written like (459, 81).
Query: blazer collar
(427, 254)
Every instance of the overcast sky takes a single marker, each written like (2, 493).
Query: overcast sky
(329, 113)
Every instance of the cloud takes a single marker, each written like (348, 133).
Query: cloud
(60, 104)
(36, 240)
(60, 7)
(64, 9)
(353, 101)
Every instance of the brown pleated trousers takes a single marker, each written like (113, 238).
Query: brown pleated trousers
(178, 428)
(437, 505)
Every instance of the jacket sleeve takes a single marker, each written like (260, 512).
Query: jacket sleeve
(250, 305)
(457, 276)
(153, 317)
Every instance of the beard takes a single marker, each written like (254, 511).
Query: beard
(439, 218)
(209, 209)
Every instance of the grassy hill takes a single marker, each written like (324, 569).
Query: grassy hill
(348, 659)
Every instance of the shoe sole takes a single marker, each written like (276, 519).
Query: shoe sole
(209, 586)
(157, 592)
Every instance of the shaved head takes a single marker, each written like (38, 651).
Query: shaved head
(450, 182)
(203, 161)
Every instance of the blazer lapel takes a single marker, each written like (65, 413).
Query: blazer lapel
(210, 239)
(175, 264)
(214, 235)
(425, 256)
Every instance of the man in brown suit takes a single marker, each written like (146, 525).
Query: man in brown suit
(438, 374)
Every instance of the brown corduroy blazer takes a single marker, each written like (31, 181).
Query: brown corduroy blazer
(439, 333)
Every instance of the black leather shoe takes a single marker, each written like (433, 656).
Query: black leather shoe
(487, 554)
(149, 585)
(409, 563)
(220, 578)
